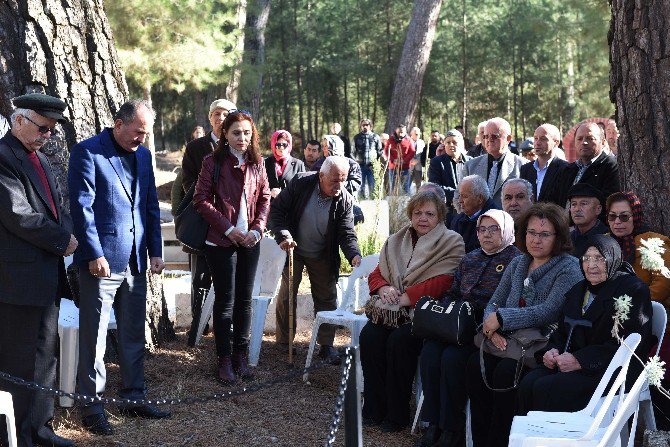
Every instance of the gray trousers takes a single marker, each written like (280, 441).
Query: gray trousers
(127, 295)
(324, 294)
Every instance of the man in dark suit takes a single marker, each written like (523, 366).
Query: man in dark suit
(196, 150)
(545, 171)
(36, 232)
(593, 166)
(281, 167)
(116, 217)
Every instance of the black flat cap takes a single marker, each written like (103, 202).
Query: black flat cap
(584, 190)
(527, 145)
(45, 105)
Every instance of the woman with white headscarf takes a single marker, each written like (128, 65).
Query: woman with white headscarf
(443, 365)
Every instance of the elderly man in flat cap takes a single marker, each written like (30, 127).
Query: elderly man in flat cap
(36, 233)
(196, 150)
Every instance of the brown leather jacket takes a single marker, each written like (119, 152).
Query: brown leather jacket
(221, 213)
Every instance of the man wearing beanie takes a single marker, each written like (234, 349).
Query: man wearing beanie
(196, 150)
(36, 234)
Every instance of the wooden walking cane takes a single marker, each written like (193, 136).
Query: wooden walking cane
(291, 310)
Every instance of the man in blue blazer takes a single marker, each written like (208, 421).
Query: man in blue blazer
(117, 221)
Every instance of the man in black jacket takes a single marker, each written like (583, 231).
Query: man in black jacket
(314, 215)
(196, 150)
(367, 149)
(593, 166)
(36, 232)
(544, 173)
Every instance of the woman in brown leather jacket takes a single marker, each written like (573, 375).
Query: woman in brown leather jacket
(236, 208)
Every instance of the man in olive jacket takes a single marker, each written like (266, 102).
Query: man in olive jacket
(314, 215)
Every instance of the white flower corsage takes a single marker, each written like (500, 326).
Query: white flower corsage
(652, 256)
(655, 369)
(622, 306)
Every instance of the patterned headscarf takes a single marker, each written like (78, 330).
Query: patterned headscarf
(279, 156)
(627, 243)
(506, 224)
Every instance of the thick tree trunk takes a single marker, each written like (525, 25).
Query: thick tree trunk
(234, 85)
(640, 89)
(413, 62)
(254, 56)
(65, 50)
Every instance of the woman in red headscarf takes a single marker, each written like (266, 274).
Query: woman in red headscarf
(281, 167)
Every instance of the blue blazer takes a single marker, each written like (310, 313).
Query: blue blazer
(107, 221)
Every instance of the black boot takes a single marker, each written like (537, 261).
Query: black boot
(451, 439)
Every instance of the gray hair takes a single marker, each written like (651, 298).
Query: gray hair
(417, 131)
(522, 181)
(479, 186)
(128, 111)
(502, 123)
(434, 187)
(552, 131)
(338, 161)
(17, 112)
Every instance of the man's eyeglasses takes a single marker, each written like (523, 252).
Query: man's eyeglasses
(544, 235)
(493, 137)
(41, 129)
(281, 145)
(623, 217)
(490, 230)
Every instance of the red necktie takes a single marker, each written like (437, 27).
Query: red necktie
(32, 156)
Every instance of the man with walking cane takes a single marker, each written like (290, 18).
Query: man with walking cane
(312, 217)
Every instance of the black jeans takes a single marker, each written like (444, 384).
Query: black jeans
(233, 270)
(492, 411)
(443, 376)
(545, 389)
(389, 358)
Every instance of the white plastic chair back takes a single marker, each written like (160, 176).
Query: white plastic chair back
(659, 319)
(270, 266)
(621, 360)
(623, 414)
(357, 284)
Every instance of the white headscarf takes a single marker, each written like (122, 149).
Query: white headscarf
(506, 224)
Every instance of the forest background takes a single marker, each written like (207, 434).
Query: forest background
(303, 64)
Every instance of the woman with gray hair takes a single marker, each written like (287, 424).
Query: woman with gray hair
(446, 169)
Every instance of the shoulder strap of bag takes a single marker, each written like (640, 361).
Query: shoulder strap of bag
(215, 179)
(517, 373)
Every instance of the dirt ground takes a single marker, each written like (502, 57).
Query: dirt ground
(286, 414)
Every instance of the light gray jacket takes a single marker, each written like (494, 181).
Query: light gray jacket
(545, 293)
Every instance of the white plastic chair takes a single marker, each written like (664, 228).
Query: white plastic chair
(659, 320)
(529, 432)
(7, 410)
(599, 409)
(68, 331)
(270, 266)
(357, 287)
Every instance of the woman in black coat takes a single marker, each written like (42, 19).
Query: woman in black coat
(280, 166)
(578, 354)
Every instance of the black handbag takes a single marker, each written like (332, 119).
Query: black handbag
(189, 226)
(451, 322)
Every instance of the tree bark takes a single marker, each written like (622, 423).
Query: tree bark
(254, 56)
(234, 85)
(65, 50)
(413, 62)
(640, 89)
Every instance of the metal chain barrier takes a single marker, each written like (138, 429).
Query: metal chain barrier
(187, 400)
(337, 414)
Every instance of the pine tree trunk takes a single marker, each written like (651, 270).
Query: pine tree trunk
(413, 62)
(66, 51)
(254, 56)
(640, 80)
(234, 85)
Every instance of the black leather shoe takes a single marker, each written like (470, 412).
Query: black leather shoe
(47, 438)
(97, 424)
(144, 411)
(329, 354)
